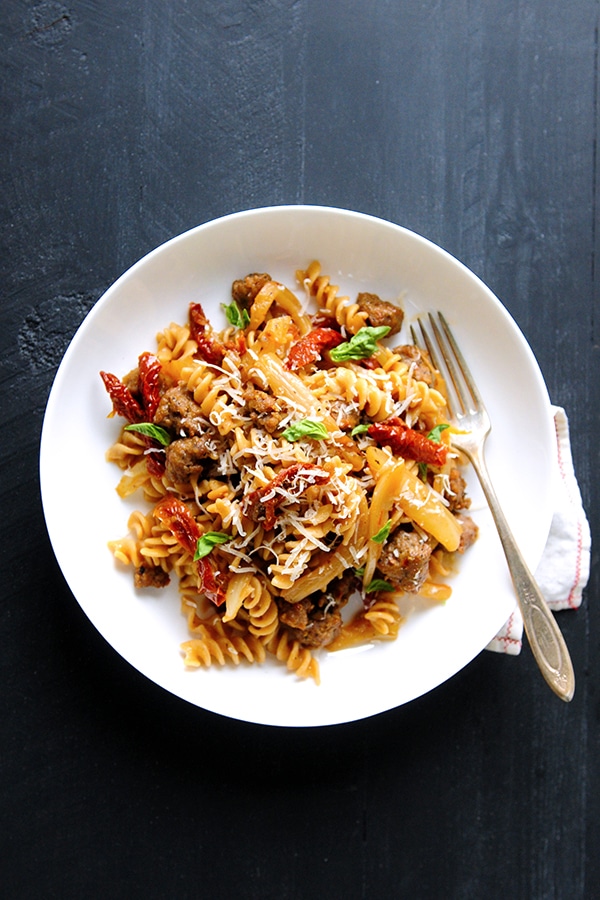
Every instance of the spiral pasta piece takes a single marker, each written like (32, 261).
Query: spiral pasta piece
(263, 614)
(175, 349)
(126, 551)
(346, 314)
(385, 617)
(128, 450)
(214, 642)
(204, 386)
(297, 658)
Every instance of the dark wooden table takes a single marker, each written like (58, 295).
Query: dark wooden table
(124, 124)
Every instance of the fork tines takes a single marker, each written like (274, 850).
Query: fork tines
(447, 358)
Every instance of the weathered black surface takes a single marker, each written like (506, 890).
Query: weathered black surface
(123, 124)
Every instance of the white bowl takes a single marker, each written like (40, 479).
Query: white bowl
(360, 253)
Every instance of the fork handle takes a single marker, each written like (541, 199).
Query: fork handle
(545, 639)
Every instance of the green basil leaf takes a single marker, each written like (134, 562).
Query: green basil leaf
(359, 572)
(436, 433)
(383, 533)
(378, 584)
(236, 316)
(423, 471)
(209, 540)
(152, 431)
(306, 428)
(359, 429)
(361, 345)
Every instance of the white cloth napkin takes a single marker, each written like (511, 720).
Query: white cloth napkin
(564, 569)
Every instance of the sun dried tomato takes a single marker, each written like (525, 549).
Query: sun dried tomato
(198, 320)
(124, 403)
(408, 443)
(370, 363)
(173, 513)
(209, 348)
(149, 368)
(323, 319)
(213, 591)
(239, 343)
(310, 347)
(155, 461)
(260, 505)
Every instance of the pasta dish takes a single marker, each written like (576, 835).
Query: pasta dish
(296, 472)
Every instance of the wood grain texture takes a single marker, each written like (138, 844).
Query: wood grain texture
(476, 125)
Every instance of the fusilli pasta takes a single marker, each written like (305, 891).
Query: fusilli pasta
(288, 462)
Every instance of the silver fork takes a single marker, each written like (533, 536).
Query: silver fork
(469, 414)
